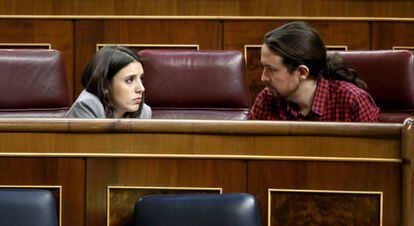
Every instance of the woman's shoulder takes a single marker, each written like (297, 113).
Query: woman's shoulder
(88, 97)
(146, 112)
(87, 105)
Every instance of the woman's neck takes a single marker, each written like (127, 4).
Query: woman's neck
(119, 114)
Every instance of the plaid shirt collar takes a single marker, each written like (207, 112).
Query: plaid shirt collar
(319, 101)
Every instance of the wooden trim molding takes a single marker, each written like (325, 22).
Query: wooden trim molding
(408, 173)
(337, 47)
(287, 128)
(250, 46)
(168, 17)
(28, 45)
(197, 156)
(403, 47)
(194, 46)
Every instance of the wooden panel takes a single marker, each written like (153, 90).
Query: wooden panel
(142, 138)
(68, 173)
(206, 34)
(141, 145)
(238, 34)
(58, 33)
(382, 177)
(226, 174)
(386, 35)
(355, 35)
(247, 36)
(378, 8)
(214, 155)
(321, 207)
(254, 69)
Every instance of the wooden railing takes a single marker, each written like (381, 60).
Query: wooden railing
(104, 166)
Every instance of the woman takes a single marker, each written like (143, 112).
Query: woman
(113, 86)
(302, 83)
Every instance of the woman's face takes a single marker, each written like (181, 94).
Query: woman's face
(127, 89)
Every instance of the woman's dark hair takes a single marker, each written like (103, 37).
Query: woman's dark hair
(100, 71)
(300, 44)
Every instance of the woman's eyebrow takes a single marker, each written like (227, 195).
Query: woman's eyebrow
(131, 76)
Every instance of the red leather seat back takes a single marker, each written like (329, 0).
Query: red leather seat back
(196, 84)
(33, 84)
(389, 75)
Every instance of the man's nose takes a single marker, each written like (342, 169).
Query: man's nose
(264, 77)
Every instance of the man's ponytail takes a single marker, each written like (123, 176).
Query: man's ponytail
(337, 69)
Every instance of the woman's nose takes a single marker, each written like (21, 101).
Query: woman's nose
(139, 87)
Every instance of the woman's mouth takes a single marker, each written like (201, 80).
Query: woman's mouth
(137, 100)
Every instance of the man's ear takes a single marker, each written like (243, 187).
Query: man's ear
(303, 71)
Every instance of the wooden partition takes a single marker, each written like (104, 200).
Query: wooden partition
(41, 34)
(337, 8)
(141, 34)
(79, 37)
(303, 172)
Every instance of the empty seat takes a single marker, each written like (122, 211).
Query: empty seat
(202, 210)
(27, 207)
(33, 84)
(187, 84)
(389, 75)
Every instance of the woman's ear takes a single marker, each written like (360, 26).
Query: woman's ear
(303, 71)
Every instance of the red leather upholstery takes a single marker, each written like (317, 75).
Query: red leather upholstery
(389, 75)
(33, 84)
(186, 84)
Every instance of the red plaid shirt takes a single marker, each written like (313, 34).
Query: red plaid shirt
(334, 100)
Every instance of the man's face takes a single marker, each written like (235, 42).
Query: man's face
(276, 76)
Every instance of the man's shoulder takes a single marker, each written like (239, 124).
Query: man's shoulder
(265, 106)
(345, 88)
(265, 94)
(349, 94)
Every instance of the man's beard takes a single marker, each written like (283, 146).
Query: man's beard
(275, 93)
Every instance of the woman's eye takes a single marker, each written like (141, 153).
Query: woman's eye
(129, 80)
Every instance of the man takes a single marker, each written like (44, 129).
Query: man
(303, 84)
